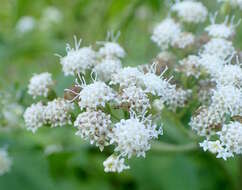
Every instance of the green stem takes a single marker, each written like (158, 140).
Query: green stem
(172, 148)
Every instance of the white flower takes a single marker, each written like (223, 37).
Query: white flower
(211, 63)
(227, 99)
(219, 47)
(190, 11)
(190, 66)
(95, 94)
(177, 98)
(77, 60)
(133, 136)
(107, 68)
(231, 137)
(111, 50)
(5, 162)
(135, 98)
(229, 75)
(222, 30)
(127, 76)
(40, 84)
(157, 85)
(206, 121)
(25, 24)
(34, 117)
(165, 32)
(94, 126)
(114, 164)
(183, 40)
(57, 112)
(158, 105)
(212, 146)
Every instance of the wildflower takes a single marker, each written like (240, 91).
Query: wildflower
(229, 75)
(25, 24)
(5, 162)
(183, 40)
(107, 68)
(127, 76)
(135, 98)
(111, 49)
(133, 136)
(57, 112)
(231, 137)
(114, 164)
(95, 94)
(190, 66)
(190, 11)
(78, 59)
(40, 84)
(94, 126)
(165, 32)
(34, 117)
(222, 30)
(219, 47)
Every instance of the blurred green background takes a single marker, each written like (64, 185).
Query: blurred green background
(57, 159)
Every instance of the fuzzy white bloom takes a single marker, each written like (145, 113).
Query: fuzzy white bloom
(127, 76)
(5, 162)
(157, 85)
(25, 24)
(40, 84)
(190, 11)
(206, 121)
(95, 94)
(111, 50)
(114, 164)
(219, 47)
(57, 112)
(190, 66)
(183, 40)
(222, 30)
(231, 137)
(233, 3)
(94, 126)
(177, 98)
(165, 32)
(135, 98)
(211, 63)
(77, 60)
(34, 117)
(107, 68)
(133, 136)
(229, 75)
(227, 99)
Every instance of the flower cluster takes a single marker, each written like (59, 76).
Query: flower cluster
(117, 106)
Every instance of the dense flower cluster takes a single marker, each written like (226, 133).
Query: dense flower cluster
(117, 106)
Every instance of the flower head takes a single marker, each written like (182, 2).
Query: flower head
(165, 32)
(57, 112)
(34, 116)
(94, 126)
(106, 68)
(114, 164)
(190, 11)
(133, 136)
(40, 84)
(77, 60)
